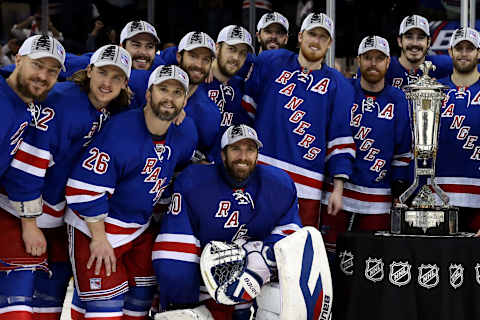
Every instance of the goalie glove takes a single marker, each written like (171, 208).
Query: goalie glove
(234, 273)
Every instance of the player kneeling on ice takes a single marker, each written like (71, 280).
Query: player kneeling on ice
(235, 212)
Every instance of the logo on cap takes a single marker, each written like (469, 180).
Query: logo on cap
(270, 17)
(124, 59)
(42, 44)
(369, 42)
(136, 26)
(236, 33)
(410, 21)
(196, 38)
(59, 50)
(316, 18)
(236, 132)
(165, 71)
(108, 53)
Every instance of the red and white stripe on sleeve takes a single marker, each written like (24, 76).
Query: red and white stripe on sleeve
(402, 160)
(182, 247)
(340, 145)
(78, 191)
(249, 105)
(32, 160)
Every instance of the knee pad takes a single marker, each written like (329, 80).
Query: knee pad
(139, 299)
(50, 289)
(16, 288)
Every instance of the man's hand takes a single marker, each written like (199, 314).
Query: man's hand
(33, 238)
(477, 234)
(179, 118)
(335, 202)
(101, 251)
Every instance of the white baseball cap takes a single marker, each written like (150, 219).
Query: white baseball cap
(112, 55)
(467, 34)
(414, 21)
(233, 35)
(196, 39)
(374, 43)
(168, 72)
(133, 28)
(41, 46)
(272, 17)
(237, 133)
(314, 20)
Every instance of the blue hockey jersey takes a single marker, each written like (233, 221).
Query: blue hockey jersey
(302, 118)
(204, 208)
(382, 134)
(458, 158)
(398, 76)
(15, 118)
(41, 166)
(124, 172)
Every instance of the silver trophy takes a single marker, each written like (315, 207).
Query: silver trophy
(423, 215)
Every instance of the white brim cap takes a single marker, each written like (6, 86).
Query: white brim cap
(196, 39)
(237, 133)
(168, 72)
(42, 46)
(465, 34)
(412, 22)
(133, 28)
(113, 55)
(270, 18)
(374, 43)
(314, 20)
(233, 35)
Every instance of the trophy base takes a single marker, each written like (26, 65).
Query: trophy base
(437, 221)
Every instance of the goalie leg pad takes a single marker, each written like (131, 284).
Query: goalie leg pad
(199, 313)
(306, 287)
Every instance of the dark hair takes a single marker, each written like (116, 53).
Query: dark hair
(120, 103)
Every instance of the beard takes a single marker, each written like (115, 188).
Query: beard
(265, 44)
(190, 69)
(22, 87)
(373, 78)
(464, 68)
(222, 66)
(164, 115)
(235, 172)
(414, 60)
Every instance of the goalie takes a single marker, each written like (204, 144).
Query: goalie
(245, 209)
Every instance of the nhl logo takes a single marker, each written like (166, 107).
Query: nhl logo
(456, 275)
(374, 269)
(477, 273)
(400, 273)
(346, 262)
(428, 275)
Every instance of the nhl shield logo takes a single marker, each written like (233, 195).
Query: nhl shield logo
(428, 275)
(477, 273)
(346, 262)
(400, 273)
(456, 275)
(374, 269)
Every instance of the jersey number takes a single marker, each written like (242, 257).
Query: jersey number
(48, 115)
(98, 161)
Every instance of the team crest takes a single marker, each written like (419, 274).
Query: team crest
(477, 273)
(400, 273)
(161, 150)
(95, 283)
(346, 262)
(456, 275)
(428, 275)
(374, 269)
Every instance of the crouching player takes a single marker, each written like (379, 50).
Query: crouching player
(111, 193)
(237, 200)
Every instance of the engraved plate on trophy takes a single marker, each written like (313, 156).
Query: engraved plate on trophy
(422, 215)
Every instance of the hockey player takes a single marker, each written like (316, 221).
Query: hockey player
(381, 125)
(414, 40)
(230, 201)
(110, 196)
(226, 89)
(272, 31)
(458, 158)
(301, 108)
(35, 182)
(38, 64)
(195, 55)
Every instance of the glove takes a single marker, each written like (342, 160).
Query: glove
(234, 273)
(254, 275)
